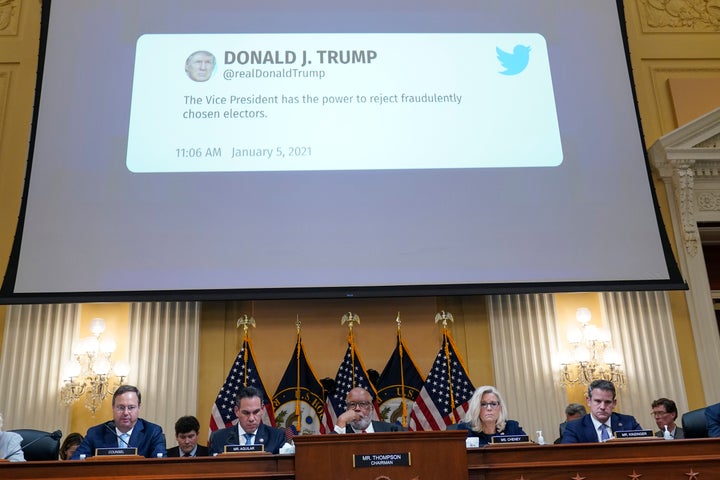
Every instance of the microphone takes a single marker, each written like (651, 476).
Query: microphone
(56, 435)
(111, 426)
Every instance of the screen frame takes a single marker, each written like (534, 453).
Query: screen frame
(9, 296)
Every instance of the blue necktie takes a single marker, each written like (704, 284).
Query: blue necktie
(124, 439)
(248, 438)
(604, 435)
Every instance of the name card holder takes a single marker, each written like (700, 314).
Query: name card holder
(635, 435)
(509, 439)
(382, 460)
(255, 448)
(116, 452)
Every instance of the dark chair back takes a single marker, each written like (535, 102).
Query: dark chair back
(44, 447)
(694, 424)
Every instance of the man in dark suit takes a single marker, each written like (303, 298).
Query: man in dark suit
(126, 430)
(712, 417)
(186, 434)
(601, 422)
(250, 430)
(357, 417)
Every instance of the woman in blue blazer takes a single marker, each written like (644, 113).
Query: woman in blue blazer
(486, 416)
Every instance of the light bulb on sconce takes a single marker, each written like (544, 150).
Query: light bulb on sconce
(591, 357)
(91, 373)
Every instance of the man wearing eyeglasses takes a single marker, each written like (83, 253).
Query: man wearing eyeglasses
(126, 430)
(358, 416)
(664, 411)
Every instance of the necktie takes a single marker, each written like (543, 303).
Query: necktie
(604, 435)
(248, 438)
(124, 440)
(363, 431)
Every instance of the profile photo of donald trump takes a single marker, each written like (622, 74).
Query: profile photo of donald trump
(199, 65)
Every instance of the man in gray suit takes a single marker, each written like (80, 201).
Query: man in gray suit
(665, 413)
(358, 416)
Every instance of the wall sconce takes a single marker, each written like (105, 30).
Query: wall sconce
(592, 356)
(91, 372)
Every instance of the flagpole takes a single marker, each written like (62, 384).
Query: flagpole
(245, 321)
(297, 376)
(445, 316)
(402, 372)
(351, 318)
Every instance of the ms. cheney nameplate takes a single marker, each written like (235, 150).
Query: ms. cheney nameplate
(507, 439)
(382, 460)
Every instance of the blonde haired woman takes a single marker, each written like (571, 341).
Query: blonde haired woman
(487, 416)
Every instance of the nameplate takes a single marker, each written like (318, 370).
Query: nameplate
(381, 460)
(633, 434)
(502, 439)
(258, 447)
(104, 452)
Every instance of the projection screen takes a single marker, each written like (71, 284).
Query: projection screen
(316, 148)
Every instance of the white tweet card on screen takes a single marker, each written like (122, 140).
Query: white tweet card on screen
(301, 102)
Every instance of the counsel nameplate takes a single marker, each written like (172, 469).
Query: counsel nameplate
(99, 452)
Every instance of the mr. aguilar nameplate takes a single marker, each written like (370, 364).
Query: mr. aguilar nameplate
(100, 452)
(629, 434)
(381, 460)
(244, 448)
(508, 439)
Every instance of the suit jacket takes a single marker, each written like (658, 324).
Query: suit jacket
(272, 438)
(512, 427)
(147, 437)
(10, 443)
(379, 427)
(200, 452)
(712, 416)
(583, 430)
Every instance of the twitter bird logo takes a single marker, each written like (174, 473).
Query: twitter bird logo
(514, 62)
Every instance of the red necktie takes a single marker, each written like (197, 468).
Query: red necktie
(363, 431)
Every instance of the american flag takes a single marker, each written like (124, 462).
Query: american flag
(243, 373)
(443, 399)
(351, 374)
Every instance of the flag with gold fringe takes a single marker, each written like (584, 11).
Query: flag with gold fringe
(443, 399)
(399, 384)
(243, 373)
(299, 399)
(350, 374)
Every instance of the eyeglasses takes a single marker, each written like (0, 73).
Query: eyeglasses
(658, 414)
(489, 404)
(354, 405)
(129, 408)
